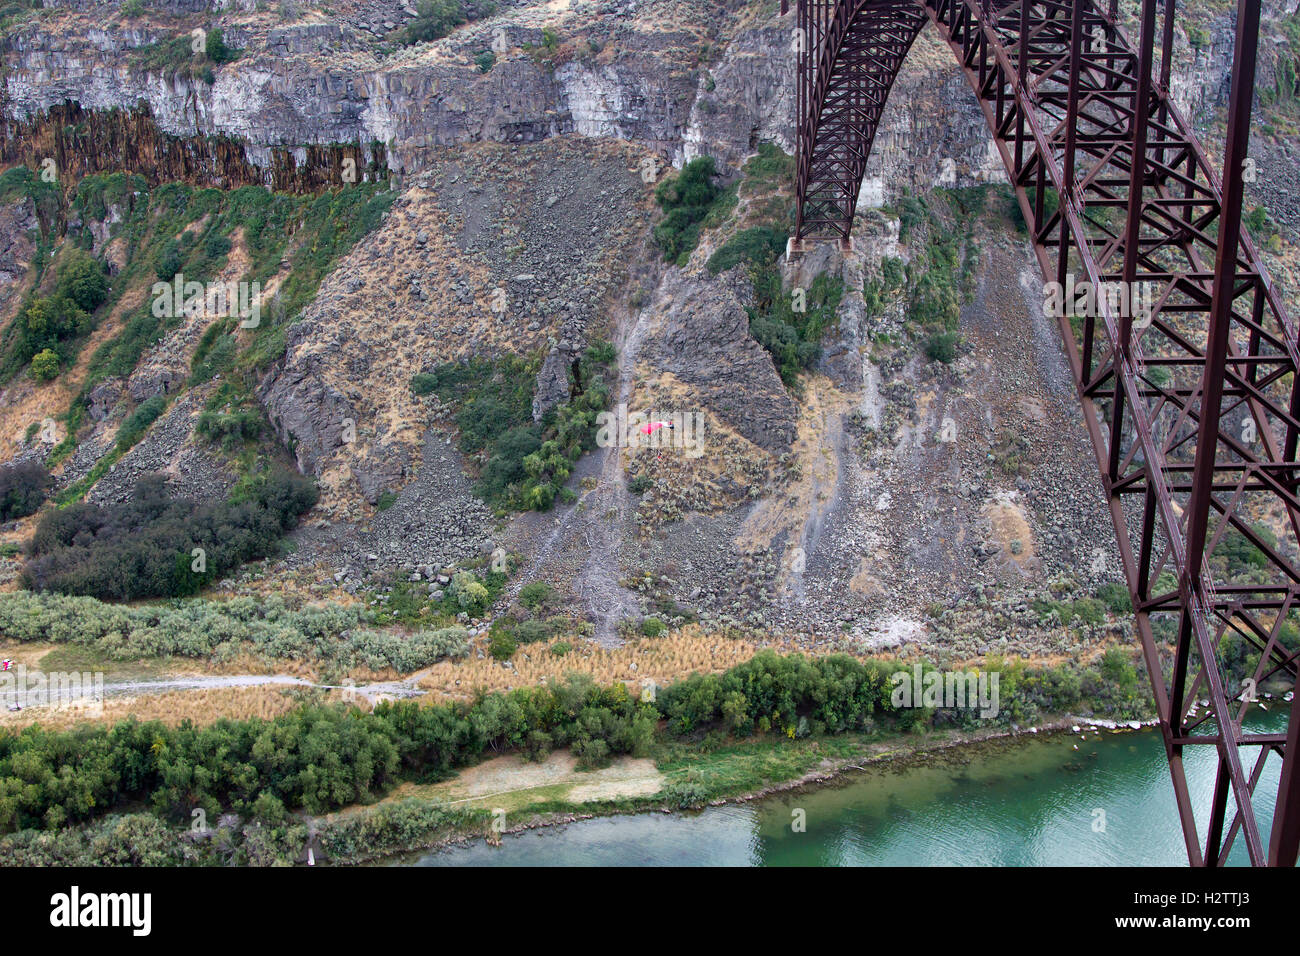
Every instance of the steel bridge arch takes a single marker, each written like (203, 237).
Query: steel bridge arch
(1194, 409)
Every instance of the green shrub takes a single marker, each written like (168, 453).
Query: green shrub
(470, 593)
(536, 594)
(424, 383)
(1115, 597)
(502, 645)
(685, 200)
(137, 423)
(1117, 667)
(759, 244)
(215, 49)
(640, 484)
(168, 261)
(530, 632)
(1090, 610)
(216, 245)
(1240, 554)
(45, 365)
(434, 20)
(264, 627)
(652, 627)
(23, 488)
(82, 279)
(146, 547)
(942, 346)
(230, 428)
(391, 827)
(685, 794)
(380, 650)
(793, 337)
(504, 469)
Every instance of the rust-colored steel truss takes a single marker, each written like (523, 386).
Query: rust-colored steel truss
(1193, 406)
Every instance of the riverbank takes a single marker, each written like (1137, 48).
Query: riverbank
(715, 777)
(1046, 799)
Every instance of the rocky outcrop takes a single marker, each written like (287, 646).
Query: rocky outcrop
(312, 417)
(81, 142)
(746, 97)
(701, 337)
(18, 224)
(307, 85)
(553, 387)
(278, 115)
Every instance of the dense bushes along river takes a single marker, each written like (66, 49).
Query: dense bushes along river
(320, 758)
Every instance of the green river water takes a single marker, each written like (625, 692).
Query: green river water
(1031, 800)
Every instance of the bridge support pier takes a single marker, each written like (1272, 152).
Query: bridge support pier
(795, 247)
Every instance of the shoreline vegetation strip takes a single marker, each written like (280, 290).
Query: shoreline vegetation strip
(134, 793)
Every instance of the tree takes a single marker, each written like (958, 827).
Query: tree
(215, 49)
(39, 318)
(45, 365)
(23, 487)
(82, 279)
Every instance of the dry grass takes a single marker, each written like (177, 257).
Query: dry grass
(661, 660)
(387, 319)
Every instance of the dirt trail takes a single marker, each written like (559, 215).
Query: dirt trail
(373, 692)
(610, 511)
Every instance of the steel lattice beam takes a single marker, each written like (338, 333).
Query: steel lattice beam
(1194, 416)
